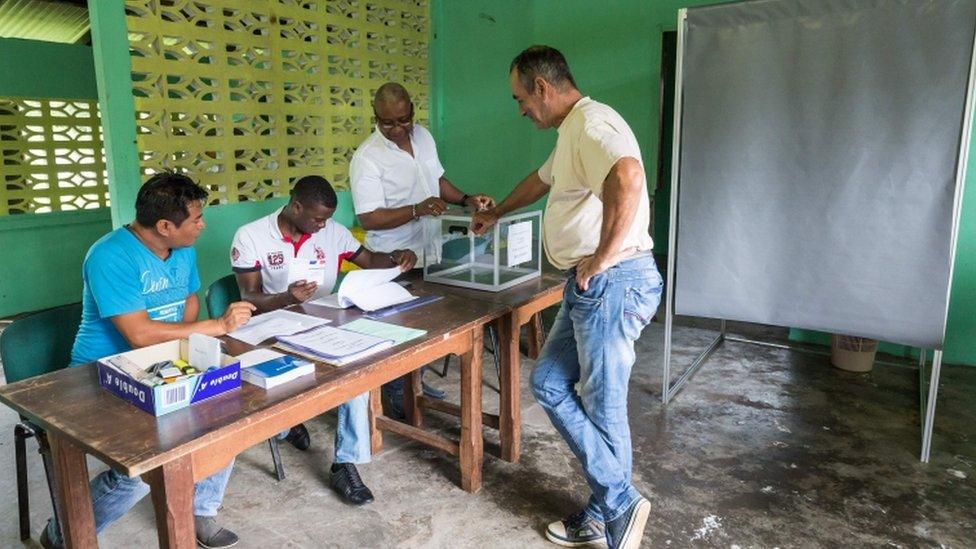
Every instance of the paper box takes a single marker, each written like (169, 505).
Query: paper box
(509, 254)
(163, 399)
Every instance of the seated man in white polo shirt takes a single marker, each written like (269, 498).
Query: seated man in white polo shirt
(397, 184)
(266, 257)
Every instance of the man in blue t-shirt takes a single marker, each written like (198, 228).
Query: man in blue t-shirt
(139, 289)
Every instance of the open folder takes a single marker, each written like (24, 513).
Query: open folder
(334, 345)
(368, 289)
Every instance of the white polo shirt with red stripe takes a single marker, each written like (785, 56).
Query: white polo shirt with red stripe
(260, 246)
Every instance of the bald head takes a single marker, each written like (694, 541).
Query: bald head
(390, 93)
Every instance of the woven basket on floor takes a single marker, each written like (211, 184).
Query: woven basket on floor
(854, 354)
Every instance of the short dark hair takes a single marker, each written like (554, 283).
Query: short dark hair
(167, 195)
(543, 61)
(314, 189)
(391, 92)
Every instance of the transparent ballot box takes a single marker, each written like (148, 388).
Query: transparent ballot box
(509, 254)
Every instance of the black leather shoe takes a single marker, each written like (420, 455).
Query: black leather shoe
(299, 438)
(211, 535)
(346, 480)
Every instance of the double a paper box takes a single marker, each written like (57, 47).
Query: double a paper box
(163, 399)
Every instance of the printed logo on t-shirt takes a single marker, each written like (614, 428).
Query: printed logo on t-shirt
(150, 285)
(276, 260)
(170, 312)
(319, 254)
(235, 254)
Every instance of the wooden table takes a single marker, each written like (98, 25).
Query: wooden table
(174, 451)
(520, 305)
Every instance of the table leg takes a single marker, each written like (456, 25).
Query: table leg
(375, 411)
(172, 497)
(510, 411)
(74, 496)
(471, 444)
(411, 393)
(536, 336)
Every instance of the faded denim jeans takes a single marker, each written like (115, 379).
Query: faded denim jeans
(113, 494)
(352, 443)
(592, 343)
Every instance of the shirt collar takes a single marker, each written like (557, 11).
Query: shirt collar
(576, 108)
(390, 144)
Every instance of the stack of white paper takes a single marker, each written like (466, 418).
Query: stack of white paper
(368, 289)
(275, 323)
(334, 345)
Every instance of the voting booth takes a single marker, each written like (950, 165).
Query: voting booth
(509, 254)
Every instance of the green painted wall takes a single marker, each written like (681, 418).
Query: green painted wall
(43, 255)
(614, 50)
(483, 144)
(43, 252)
(30, 68)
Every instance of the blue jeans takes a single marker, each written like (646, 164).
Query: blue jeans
(592, 343)
(113, 494)
(352, 443)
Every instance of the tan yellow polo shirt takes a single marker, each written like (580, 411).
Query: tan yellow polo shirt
(592, 138)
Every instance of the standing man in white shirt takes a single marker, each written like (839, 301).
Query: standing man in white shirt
(282, 259)
(398, 185)
(595, 226)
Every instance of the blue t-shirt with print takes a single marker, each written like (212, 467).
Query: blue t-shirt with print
(121, 275)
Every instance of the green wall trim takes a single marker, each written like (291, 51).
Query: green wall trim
(44, 70)
(49, 254)
(21, 222)
(113, 73)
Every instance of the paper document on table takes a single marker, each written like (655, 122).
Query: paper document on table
(328, 300)
(334, 345)
(275, 323)
(307, 270)
(519, 243)
(385, 330)
(368, 289)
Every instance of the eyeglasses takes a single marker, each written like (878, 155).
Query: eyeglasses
(384, 124)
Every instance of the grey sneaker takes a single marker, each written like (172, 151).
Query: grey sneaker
(626, 531)
(577, 530)
(211, 535)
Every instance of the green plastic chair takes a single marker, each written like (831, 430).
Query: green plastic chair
(33, 345)
(345, 213)
(219, 296)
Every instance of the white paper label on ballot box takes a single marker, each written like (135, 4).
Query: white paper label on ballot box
(519, 243)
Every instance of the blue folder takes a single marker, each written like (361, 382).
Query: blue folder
(400, 307)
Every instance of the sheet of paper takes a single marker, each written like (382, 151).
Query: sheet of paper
(204, 351)
(303, 269)
(328, 300)
(399, 334)
(273, 324)
(371, 289)
(384, 295)
(519, 243)
(257, 356)
(364, 280)
(327, 341)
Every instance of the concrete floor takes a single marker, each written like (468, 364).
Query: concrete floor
(765, 448)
